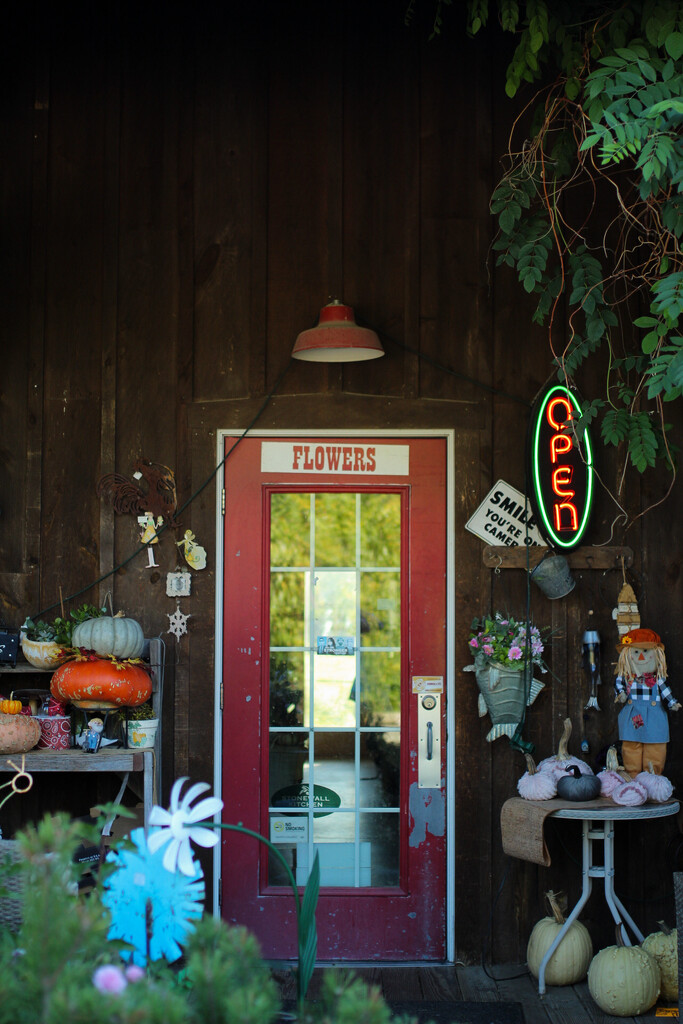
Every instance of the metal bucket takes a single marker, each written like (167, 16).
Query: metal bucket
(554, 577)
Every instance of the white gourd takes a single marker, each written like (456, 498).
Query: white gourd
(629, 794)
(613, 774)
(663, 946)
(658, 787)
(624, 980)
(110, 635)
(569, 963)
(535, 785)
(559, 762)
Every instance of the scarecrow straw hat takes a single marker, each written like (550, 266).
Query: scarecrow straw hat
(645, 638)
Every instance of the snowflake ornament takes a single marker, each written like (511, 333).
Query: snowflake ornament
(177, 622)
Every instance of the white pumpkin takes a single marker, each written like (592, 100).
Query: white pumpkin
(663, 946)
(115, 635)
(658, 787)
(624, 980)
(558, 763)
(535, 785)
(629, 794)
(613, 774)
(569, 962)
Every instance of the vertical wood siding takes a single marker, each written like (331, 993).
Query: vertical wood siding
(182, 189)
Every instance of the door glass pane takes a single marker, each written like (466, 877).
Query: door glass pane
(380, 535)
(290, 533)
(287, 608)
(335, 687)
(335, 529)
(380, 602)
(287, 689)
(380, 688)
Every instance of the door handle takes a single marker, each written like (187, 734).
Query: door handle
(429, 741)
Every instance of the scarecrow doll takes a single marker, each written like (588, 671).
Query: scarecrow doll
(641, 687)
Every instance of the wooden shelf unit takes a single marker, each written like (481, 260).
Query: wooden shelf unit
(119, 761)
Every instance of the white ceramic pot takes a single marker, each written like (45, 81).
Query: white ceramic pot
(143, 733)
(42, 653)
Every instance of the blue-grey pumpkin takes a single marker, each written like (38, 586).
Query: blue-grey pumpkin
(575, 786)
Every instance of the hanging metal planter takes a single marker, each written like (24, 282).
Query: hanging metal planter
(503, 696)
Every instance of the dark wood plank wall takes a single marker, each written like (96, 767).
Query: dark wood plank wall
(182, 189)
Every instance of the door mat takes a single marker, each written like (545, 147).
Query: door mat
(460, 1013)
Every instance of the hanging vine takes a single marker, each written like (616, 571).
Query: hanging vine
(590, 205)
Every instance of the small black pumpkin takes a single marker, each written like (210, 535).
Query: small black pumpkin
(575, 786)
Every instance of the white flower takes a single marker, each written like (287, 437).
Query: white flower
(176, 826)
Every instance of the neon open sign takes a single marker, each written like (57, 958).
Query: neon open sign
(561, 468)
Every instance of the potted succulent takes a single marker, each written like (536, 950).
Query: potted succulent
(47, 644)
(141, 726)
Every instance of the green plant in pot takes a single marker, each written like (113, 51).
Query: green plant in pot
(48, 644)
(141, 726)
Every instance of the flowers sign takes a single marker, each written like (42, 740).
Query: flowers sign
(503, 649)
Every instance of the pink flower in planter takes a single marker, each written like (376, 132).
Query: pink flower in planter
(515, 653)
(109, 979)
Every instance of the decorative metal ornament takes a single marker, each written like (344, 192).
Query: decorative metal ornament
(177, 622)
(157, 496)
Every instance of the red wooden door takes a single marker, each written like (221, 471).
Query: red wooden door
(334, 631)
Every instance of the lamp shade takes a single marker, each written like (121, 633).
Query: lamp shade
(337, 338)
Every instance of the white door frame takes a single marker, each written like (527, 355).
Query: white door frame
(449, 437)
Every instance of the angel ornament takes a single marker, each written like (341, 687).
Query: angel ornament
(195, 555)
(149, 535)
(642, 688)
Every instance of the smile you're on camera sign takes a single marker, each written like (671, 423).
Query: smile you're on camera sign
(505, 517)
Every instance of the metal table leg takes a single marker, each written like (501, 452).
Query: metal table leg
(589, 872)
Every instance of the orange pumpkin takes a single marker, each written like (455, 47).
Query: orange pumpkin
(18, 733)
(11, 706)
(101, 683)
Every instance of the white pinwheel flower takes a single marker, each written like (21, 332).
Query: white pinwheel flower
(180, 825)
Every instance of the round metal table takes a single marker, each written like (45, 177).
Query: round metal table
(598, 826)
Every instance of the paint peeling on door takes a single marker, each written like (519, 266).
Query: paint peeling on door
(428, 813)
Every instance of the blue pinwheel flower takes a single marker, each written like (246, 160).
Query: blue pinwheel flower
(152, 909)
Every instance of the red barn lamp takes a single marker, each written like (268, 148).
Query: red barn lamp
(337, 338)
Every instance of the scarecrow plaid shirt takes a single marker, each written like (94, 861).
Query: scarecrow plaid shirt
(646, 688)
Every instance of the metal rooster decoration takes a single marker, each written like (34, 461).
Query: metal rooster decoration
(127, 496)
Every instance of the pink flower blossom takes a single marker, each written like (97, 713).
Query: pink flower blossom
(488, 649)
(515, 653)
(134, 973)
(474, 642)
(109, 979)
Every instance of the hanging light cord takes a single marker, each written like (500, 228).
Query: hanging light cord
(162, 529)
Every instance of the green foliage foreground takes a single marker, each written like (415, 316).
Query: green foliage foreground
(48, 965)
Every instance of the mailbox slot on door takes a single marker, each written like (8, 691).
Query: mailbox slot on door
(429, 732)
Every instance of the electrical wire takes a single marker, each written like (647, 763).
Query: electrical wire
(162, 529)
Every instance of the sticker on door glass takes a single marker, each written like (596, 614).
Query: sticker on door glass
(427, 684)
(336, 645)
(289, 830)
